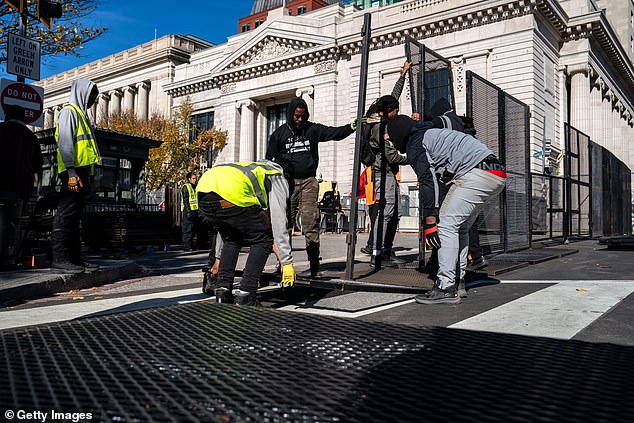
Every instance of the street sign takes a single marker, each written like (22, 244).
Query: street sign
(30, 97)
(23, 57)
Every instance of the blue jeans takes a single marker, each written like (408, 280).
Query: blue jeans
(466, 197)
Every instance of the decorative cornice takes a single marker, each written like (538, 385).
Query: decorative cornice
(302, 58)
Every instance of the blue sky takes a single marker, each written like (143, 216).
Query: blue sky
(133, 22)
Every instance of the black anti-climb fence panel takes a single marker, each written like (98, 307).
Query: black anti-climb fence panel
(429, 77)
(516, 155)
(203, 362)
(577, 171)
(502, 123)
(484, 105)
(611, 194)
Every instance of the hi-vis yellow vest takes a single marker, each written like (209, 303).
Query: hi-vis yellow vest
(193, 198)
(239, 183)
(86, 153)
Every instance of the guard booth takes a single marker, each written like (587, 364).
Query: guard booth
(117, 213)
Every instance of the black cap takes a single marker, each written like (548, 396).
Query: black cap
(398, 129)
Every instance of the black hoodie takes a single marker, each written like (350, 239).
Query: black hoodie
(299, 145)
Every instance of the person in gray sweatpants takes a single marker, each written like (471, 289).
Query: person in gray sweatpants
(474, 174)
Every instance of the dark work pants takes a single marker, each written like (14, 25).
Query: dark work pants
(66, 238)
(187, 227)
(239, 227)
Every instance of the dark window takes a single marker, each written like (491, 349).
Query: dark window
(301, 10)
(245, 28)
(258, 23)
(113, 179)
(201, 122)
(276, 116)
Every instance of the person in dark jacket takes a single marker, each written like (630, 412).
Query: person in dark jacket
(21, 159)
(475, 175)
(21, 155)
(297, 141)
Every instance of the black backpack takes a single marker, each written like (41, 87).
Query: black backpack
(368, 156)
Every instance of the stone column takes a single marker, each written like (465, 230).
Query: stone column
(92, 113)
(102, 107)
(143, 97)
(56, 111)
(306, 94)
(247, 129)
(596, 112)
(616, 130)
(580, 97)
(49, 118)
(115, 103)
(128, 98)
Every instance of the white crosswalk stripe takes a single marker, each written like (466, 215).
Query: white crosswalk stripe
(560, 310)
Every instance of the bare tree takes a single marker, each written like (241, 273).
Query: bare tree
(67, 35)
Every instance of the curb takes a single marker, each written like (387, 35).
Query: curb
(61, 283)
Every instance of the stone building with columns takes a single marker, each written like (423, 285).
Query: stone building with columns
(561, 58)
(130, 80)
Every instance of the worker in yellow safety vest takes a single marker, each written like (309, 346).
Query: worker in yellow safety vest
(191, 223)
(247, 203)
(77, 154)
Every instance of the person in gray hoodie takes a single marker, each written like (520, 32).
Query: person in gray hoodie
(77, 154)
(474, 174)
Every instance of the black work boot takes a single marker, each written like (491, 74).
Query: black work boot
(65, 266)
(224, 295)
(389, 259)
(312, 251)
(462, 289)
(246, 298)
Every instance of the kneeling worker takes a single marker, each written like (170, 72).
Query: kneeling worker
(474, 175)
(235, 198)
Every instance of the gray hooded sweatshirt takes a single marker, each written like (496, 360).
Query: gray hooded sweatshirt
(68, 121)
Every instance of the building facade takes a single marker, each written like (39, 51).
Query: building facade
(130, 80)
(564, 59)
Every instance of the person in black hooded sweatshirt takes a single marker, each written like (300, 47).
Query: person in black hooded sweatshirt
(297, 141)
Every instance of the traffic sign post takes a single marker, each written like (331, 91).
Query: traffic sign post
(23, 56)
(30, 97)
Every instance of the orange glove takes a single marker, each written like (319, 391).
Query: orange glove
(75, 184)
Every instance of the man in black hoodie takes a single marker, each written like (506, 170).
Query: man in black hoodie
(297, 141)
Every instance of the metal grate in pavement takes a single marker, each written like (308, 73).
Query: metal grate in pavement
(215, 362)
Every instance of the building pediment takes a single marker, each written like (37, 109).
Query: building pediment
(270, 48)
(272, 43)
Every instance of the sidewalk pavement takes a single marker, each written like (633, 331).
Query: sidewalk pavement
(592, 261)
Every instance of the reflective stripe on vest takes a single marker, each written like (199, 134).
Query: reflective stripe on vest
(86, 153)
(243, 192)
(193, 198)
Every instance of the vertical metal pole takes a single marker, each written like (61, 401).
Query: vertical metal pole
(23, 23)
(351, 239)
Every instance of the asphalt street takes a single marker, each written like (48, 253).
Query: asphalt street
(583, 296)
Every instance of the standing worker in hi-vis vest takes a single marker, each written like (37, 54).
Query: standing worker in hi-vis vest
(77, 154)
(189, 208)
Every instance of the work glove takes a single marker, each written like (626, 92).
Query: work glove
(430, 235)
(353, 125)
(288, 275)
(75, 184)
